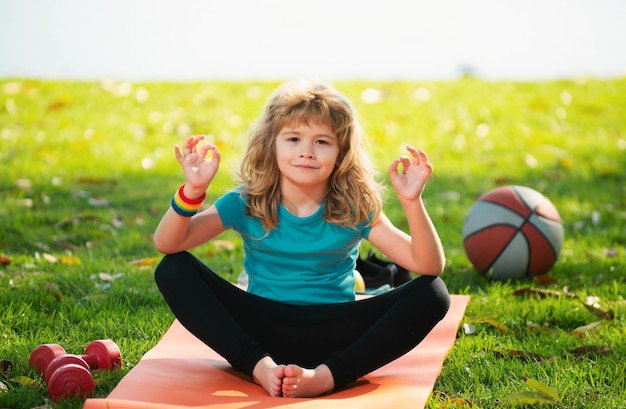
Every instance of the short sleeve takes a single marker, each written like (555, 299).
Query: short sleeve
(231, 209)
(366, 231)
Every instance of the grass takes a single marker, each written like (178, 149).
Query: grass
(88, 169)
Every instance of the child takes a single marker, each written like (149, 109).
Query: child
(306, 199)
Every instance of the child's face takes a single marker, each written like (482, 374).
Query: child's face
(306, 154)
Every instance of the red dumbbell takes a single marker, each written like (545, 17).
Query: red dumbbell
(61, 361)
(68, 375)
(102, 354)
(70, 380)
(41, 356)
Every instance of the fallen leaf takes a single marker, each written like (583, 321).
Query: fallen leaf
(489, 319)
(117, 221)
(4, 260)
(142, 262)
(49, 258)
(25, 381)
(591, 350)
(70, 260)
(13, 286)
(521, 355)
(459, 403)
(106, 277)
(543, 388)
(542, 293)
(98, 202)
(550, 360)
(531, 326)
(75, 220)
(501, 327)
(5, 367)
(42, 246)
(600, 313)
(3, 388)
(66, 246)
(545, 279)
(53, 289)
(527, 398)
(581, 331)
(452, 403)
(469, 329)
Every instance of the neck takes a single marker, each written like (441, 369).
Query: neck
(302, 202)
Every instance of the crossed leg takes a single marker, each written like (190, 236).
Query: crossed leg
(318, 348)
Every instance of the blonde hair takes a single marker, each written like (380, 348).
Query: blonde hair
(354, 195)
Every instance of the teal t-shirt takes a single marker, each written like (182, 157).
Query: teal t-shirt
(304, 260)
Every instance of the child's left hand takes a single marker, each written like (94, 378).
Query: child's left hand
(416, 169)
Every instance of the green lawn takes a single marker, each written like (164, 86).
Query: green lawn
(87, 169)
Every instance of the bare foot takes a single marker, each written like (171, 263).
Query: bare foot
(307, 383)
(269, 375)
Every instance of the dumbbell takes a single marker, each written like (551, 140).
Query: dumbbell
(67, 374)
(102, 354)
(41, 356)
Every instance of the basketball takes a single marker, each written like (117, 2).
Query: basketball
(512, 232)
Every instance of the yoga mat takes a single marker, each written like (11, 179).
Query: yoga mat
(180, 372)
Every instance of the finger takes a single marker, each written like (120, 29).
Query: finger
(422, 155)
(418, 154)
(415, 156)
(425, 163)
(179, 155)
(405, 161)
(188, 145)
(206, 148)
(401, 161)
(216, 155)
(393, 168)
(191, 143)
(411, 149)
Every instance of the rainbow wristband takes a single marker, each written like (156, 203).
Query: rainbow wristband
(184, 206)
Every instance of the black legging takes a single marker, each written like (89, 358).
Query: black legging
(352, 338)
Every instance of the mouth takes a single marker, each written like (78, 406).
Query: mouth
(304, 166)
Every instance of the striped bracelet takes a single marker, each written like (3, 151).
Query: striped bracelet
(184, 206)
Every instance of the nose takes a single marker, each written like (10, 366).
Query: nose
(306, 152)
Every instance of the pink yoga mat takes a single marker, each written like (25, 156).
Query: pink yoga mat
(181, 372)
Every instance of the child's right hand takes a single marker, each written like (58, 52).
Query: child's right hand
(198, 166)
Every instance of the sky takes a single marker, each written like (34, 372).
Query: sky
(142, 40)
